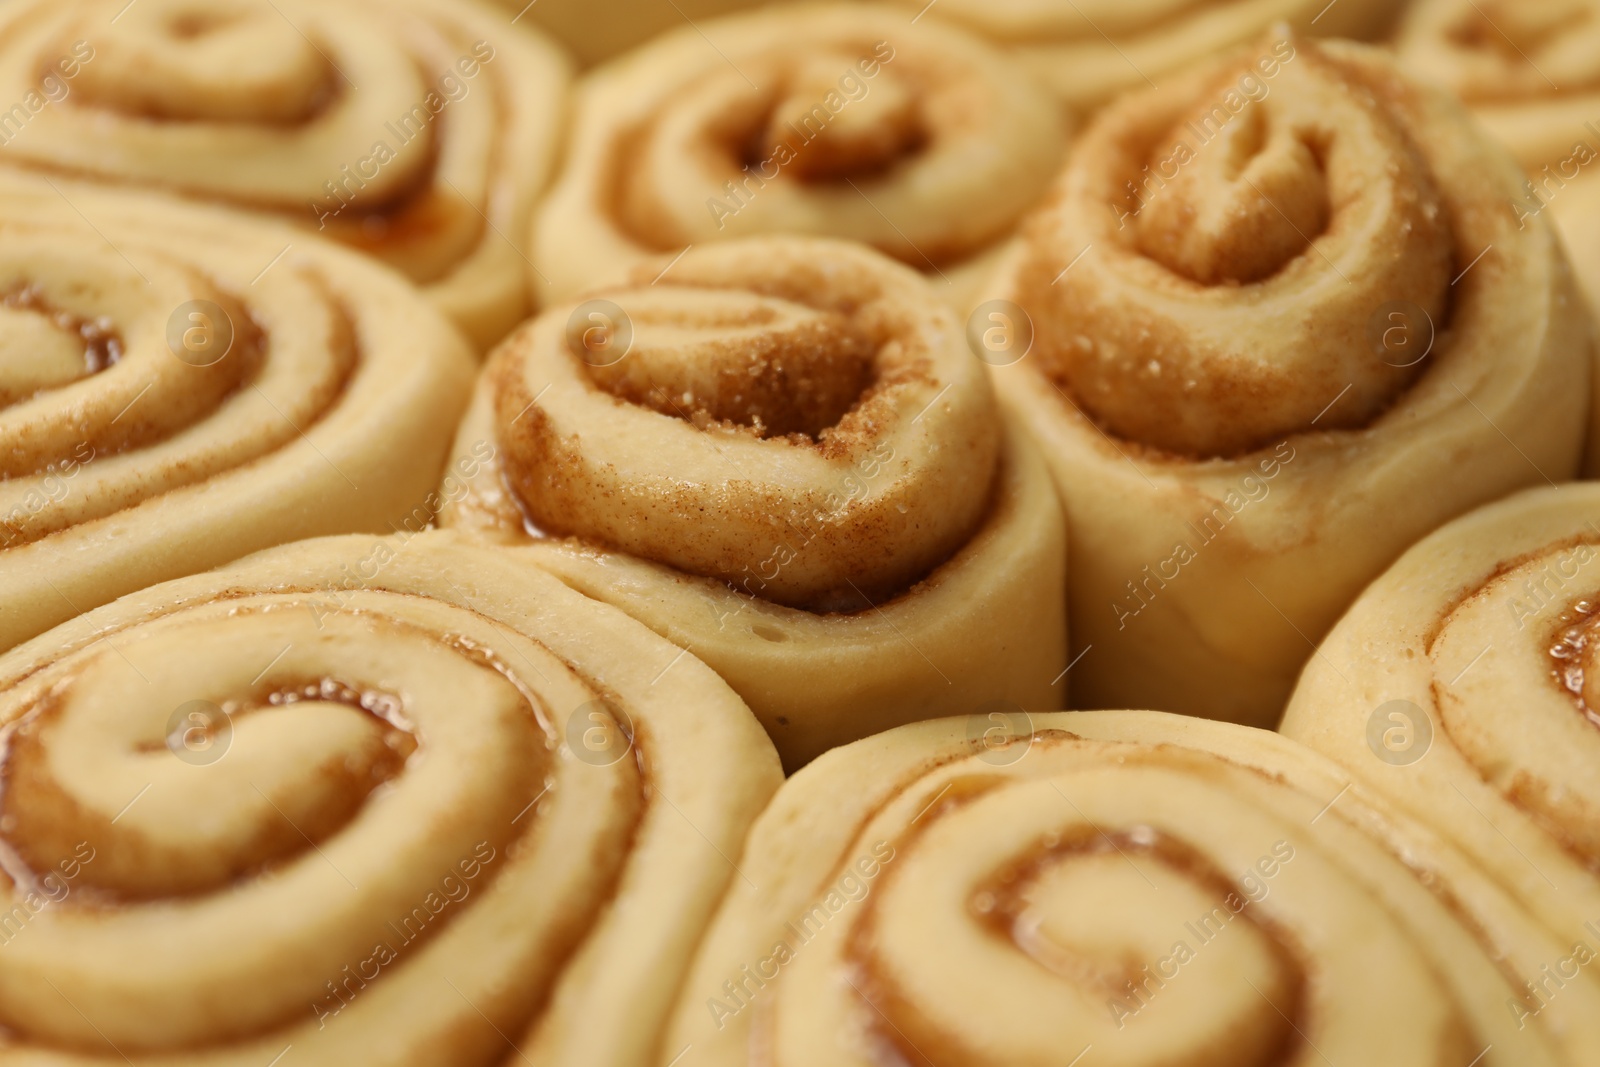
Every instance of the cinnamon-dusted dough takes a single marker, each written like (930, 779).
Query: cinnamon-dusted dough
(1462, 685)
(835, 120)
(800, 474)
(442, 810)
(1155, 888)
(418, 131)
(315, 394)
(1245, 428)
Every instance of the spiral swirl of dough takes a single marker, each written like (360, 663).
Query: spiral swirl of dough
(793, 360)
(1089, 51)
(1464, 683)
(1157, 889)
(418, 132)
(1529, 72)
(1275, 305)
(834, 120)
(791, 435)
(182, 387)
(382, 800)
(1208, 326)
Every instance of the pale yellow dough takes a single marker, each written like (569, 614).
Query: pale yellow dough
(418, 131)
(1577, 216)
(596, 30)
(185, 386)
(1153, 888)
(241, 784)
(1530, 73)
(893, 554)
(1089, 51)
(834, 120)
(1441, 690)
(1246, 428)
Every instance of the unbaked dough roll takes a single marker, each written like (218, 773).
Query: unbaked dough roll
(783, 457)
(1088, 51)
(1115, 887)
(182, 386)
(1531, 74)
(835, 120)
(1282, 325)
(418, 131)
(1463, 684)
(389, 801)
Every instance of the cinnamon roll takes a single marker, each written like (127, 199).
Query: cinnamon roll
(1276, 308)
(1530, 73)
(1462, 685)
(1089, 51)
(182, 386)
(417, 131)
(390, 801)
(833, 120)
(1121, 887)
(782, 457)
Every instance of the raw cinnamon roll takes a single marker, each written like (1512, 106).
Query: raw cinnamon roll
(1531, 74)
(390, 801)
(417, 131)
(834, 120)
(1089, 51)
(1276, 309)
(1120, 887)
(1463, 685)
(782, 457)
(181, 386)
